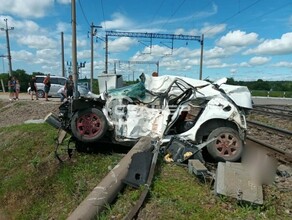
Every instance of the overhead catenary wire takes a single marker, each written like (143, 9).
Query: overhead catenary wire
(84, 16)
(175, 11)
(102, 9)
(157, 10)
(265, 14)
(234, 15)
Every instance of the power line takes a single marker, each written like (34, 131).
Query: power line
(176, 10)
(84, 16)
(103, 14)
(234, 15)
(157, 10)
(265, 14)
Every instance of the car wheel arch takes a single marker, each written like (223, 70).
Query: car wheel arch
(208, 126)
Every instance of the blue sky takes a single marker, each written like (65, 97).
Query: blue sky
(244, 39)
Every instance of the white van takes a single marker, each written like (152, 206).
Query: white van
(57, 82)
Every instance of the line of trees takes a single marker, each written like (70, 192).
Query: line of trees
(21, 75)
(25, 78)
(259, 84)
(263, 85)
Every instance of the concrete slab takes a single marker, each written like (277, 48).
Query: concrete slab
(234, 180)
(196, 167)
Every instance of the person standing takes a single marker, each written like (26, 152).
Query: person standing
(17, 89)
(69, 86)
(47, 82)
(11, 87)
(33, 88)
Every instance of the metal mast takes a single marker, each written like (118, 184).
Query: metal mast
(8, 45)
(200, 39)
(92, 34)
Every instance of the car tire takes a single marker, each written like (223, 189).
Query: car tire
(41, 93)
(89, 125)
(227, 147)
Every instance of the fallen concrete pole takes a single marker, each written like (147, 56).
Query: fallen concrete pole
(106, 191)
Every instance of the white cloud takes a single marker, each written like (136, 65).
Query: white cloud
(212, 30)
(244, 64)
(238, 39)
(255, 61)
(37, 41)
(27, 8)
(119, 21)
(64, 1)
(219, 52)
(22, 55)
(208, 30)
(274, 47)
(121, 44)
(48, 54)
(233, 71)
(84, 54)
(283, 64)
(63, 27)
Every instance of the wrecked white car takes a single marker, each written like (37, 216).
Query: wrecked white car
(164, 107)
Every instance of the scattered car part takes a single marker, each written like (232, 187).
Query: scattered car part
(197, 167)
(139, 169)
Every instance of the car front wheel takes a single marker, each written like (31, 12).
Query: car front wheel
(41, 93)
(89, 125)
(227, 147)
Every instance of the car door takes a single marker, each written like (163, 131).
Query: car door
(54, 86)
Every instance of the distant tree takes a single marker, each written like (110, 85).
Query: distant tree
(231, 81)
(37, 73)
(23, 78)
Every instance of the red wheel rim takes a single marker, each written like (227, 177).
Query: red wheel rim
(227, 144)
(89, 125)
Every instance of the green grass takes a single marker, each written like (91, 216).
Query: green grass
(176, 194)
(34, 185)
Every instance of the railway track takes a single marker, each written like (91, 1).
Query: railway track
(279, 154)
(278, 112)
(270, 132)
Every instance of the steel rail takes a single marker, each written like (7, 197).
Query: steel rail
(272, 113)
(287, 156)
(283, 131)
(272, 108)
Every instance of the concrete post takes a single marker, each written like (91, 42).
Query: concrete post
(106, 191)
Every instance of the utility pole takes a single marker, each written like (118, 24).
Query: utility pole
(92, 34)
(201, 61)
(106, 54)
(62, 52)
(8, 45)
(74, 47)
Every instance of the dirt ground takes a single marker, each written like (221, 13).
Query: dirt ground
(18, 111)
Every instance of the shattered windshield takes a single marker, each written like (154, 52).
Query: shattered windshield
(136, 91)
